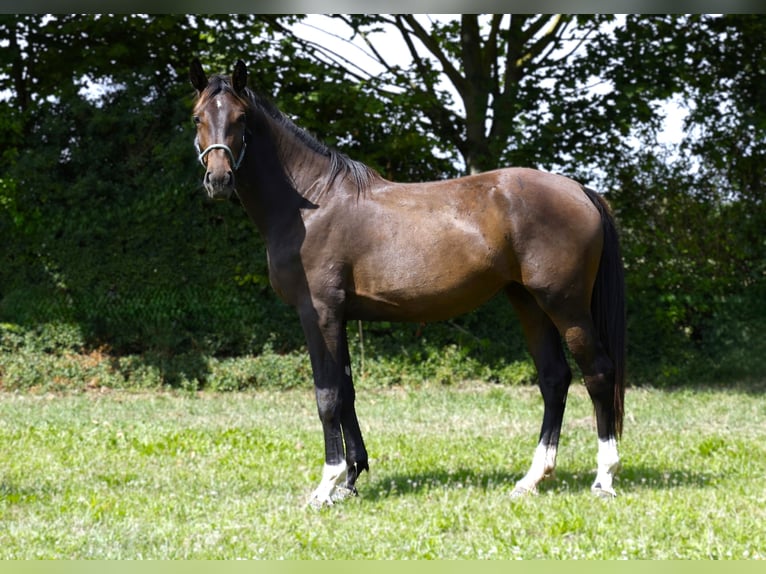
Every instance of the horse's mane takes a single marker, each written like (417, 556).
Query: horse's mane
(340, 164)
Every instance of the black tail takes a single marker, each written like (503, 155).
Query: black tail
(608, 303)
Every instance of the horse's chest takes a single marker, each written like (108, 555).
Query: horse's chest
(287, 275)
(282, 277)
(294, 276)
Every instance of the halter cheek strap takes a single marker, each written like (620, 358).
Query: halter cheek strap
(234, 163)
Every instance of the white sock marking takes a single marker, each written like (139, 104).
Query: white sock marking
(331, 476)
(608, 464)
(543, 465)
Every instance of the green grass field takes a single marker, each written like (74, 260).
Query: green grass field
(153, 475)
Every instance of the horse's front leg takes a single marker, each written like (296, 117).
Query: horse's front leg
(356, 453)
(345, 454)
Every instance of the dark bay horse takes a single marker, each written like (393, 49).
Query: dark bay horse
(343, 243)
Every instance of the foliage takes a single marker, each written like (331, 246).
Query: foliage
(497, 67)
(59, 356)
(691, 217)
(116, 475)
(106, 234)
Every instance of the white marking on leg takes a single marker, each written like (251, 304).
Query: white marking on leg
(348, 370)
(608, 461)
(543, 465)
(332, 475)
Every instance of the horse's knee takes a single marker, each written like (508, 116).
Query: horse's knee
(335, 404)
(600, 384)
(328, 405)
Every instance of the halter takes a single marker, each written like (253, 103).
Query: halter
(234, 164)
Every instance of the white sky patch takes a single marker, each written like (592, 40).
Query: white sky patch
(673, 129)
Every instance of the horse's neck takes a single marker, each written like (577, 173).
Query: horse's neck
(285, 175)
(306, 169)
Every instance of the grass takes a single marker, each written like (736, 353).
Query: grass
(177, 475)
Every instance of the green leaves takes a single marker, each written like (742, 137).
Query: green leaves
(99, 189)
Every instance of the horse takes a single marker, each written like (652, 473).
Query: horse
(343, 243)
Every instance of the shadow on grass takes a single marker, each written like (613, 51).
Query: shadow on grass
(634, 478)
(401, 485)
(753, 386)
(630, 479)
(12, 494)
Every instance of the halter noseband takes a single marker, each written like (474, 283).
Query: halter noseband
(234, 164)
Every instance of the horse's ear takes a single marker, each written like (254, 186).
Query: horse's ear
(197, 75)
(239, 76)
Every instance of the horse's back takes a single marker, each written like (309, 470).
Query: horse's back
(433, 250)
(535, 219)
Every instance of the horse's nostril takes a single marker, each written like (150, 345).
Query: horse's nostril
(217, 181)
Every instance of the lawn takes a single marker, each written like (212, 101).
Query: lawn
(107, 474)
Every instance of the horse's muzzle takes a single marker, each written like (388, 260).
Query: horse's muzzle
(219, 185)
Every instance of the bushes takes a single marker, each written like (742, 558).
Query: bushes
(728, 346)
(55, 356)
(242, 338)
(120, 273)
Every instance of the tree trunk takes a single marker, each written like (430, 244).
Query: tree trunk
(475, 96)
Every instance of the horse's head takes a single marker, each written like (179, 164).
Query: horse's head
(220, 116)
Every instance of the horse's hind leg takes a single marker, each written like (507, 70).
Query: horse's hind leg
(554, 374)
(598, 372)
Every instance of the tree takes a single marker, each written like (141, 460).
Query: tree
(495, 65)
(692, 214)
(99, 180)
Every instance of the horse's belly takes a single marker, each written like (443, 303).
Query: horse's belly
(422, 297)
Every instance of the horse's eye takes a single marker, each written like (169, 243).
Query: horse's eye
(196, 120)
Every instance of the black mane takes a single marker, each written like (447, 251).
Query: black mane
(340, 164)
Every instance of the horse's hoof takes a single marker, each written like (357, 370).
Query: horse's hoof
(338, 494)
(317, 503)
(605, 493)
(523, 491)
(342, 493)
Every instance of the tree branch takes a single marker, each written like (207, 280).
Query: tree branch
(432, 46)
(320, 52)
(438, 114)
(493, 69)
(375, 54)
(550, 39)
(513, 50)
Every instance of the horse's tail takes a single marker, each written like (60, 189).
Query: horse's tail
(608, 303)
